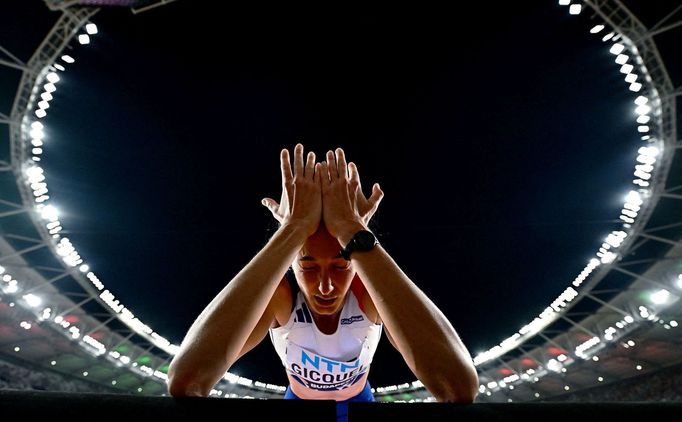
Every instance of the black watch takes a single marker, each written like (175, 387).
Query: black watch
(364, 240)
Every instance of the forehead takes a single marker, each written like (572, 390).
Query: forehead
(321, 245)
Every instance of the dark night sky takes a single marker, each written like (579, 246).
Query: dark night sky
(504, 150)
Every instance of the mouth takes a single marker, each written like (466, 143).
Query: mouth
(325, 301)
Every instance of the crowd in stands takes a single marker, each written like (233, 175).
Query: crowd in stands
(15, 377)
(664, 385)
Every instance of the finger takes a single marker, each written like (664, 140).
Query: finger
(310, 165)
(354, 175)
(324, 174)
(331, 166)
(377, 195)
(270, 204)
(341, 163)
(352, 193)
(318, 174)
(298, 160)
(287, 177)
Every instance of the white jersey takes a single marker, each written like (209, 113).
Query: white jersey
(327, 362)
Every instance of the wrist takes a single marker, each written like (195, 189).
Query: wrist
(346, 232)
(295, 230)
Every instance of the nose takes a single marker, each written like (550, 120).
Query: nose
(326, 286)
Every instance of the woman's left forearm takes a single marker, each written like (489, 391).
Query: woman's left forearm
(427, 340)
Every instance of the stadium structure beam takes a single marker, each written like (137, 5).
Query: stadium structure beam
(672, 189)
(554, 343)
(125, 339)
(47, 282)
(529, 355)
(158, 368)
(100, 325)
(15, 63)
(20, 237)
(13, 212)
(4, 165)
(150, 6)
(639, 277)
(76, 306)
(15, 66)
(18, 209)
(646, 261)
(661, 239)
(23, 251)
(34, 267)
(666, 17)
(577, 325)
(608, 305)
(597, 292)
(636, 246)
(652, 33)
(670, 195)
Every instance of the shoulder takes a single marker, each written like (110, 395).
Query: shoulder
(364, 300)
(282, 302)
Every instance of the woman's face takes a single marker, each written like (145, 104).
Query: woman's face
(323, 275)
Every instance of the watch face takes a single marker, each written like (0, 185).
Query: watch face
(364, 240)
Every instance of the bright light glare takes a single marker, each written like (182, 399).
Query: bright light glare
(617, 48)
(575, 9)
(32, 300)
(50, 212)
(596, 29)
(660, 296)
(622, 59)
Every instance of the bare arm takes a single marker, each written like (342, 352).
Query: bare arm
(220, 333)
(422, 334)
(419, 330)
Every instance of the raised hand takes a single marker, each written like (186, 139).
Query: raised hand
(344, 206)
(366, 206)
(301, 200)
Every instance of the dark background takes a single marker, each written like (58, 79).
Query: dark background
(503, 137)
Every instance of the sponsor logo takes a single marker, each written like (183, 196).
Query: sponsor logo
(319, 373)
(354, 318)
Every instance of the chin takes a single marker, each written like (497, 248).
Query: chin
(326, 308)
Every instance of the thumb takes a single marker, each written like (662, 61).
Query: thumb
(377, 194)
(267, 202)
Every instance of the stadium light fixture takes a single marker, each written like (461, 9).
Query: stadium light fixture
(575, 9)
(596, 29)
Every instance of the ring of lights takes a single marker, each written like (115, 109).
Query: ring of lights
(657, 121)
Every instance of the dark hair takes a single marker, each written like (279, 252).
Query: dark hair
(293, 284)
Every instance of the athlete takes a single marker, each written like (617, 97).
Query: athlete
(326, 326)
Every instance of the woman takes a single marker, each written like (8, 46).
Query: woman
(326, 334)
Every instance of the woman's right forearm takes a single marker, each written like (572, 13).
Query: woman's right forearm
(216, 337)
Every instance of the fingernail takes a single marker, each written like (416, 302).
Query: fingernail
(264, 202)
